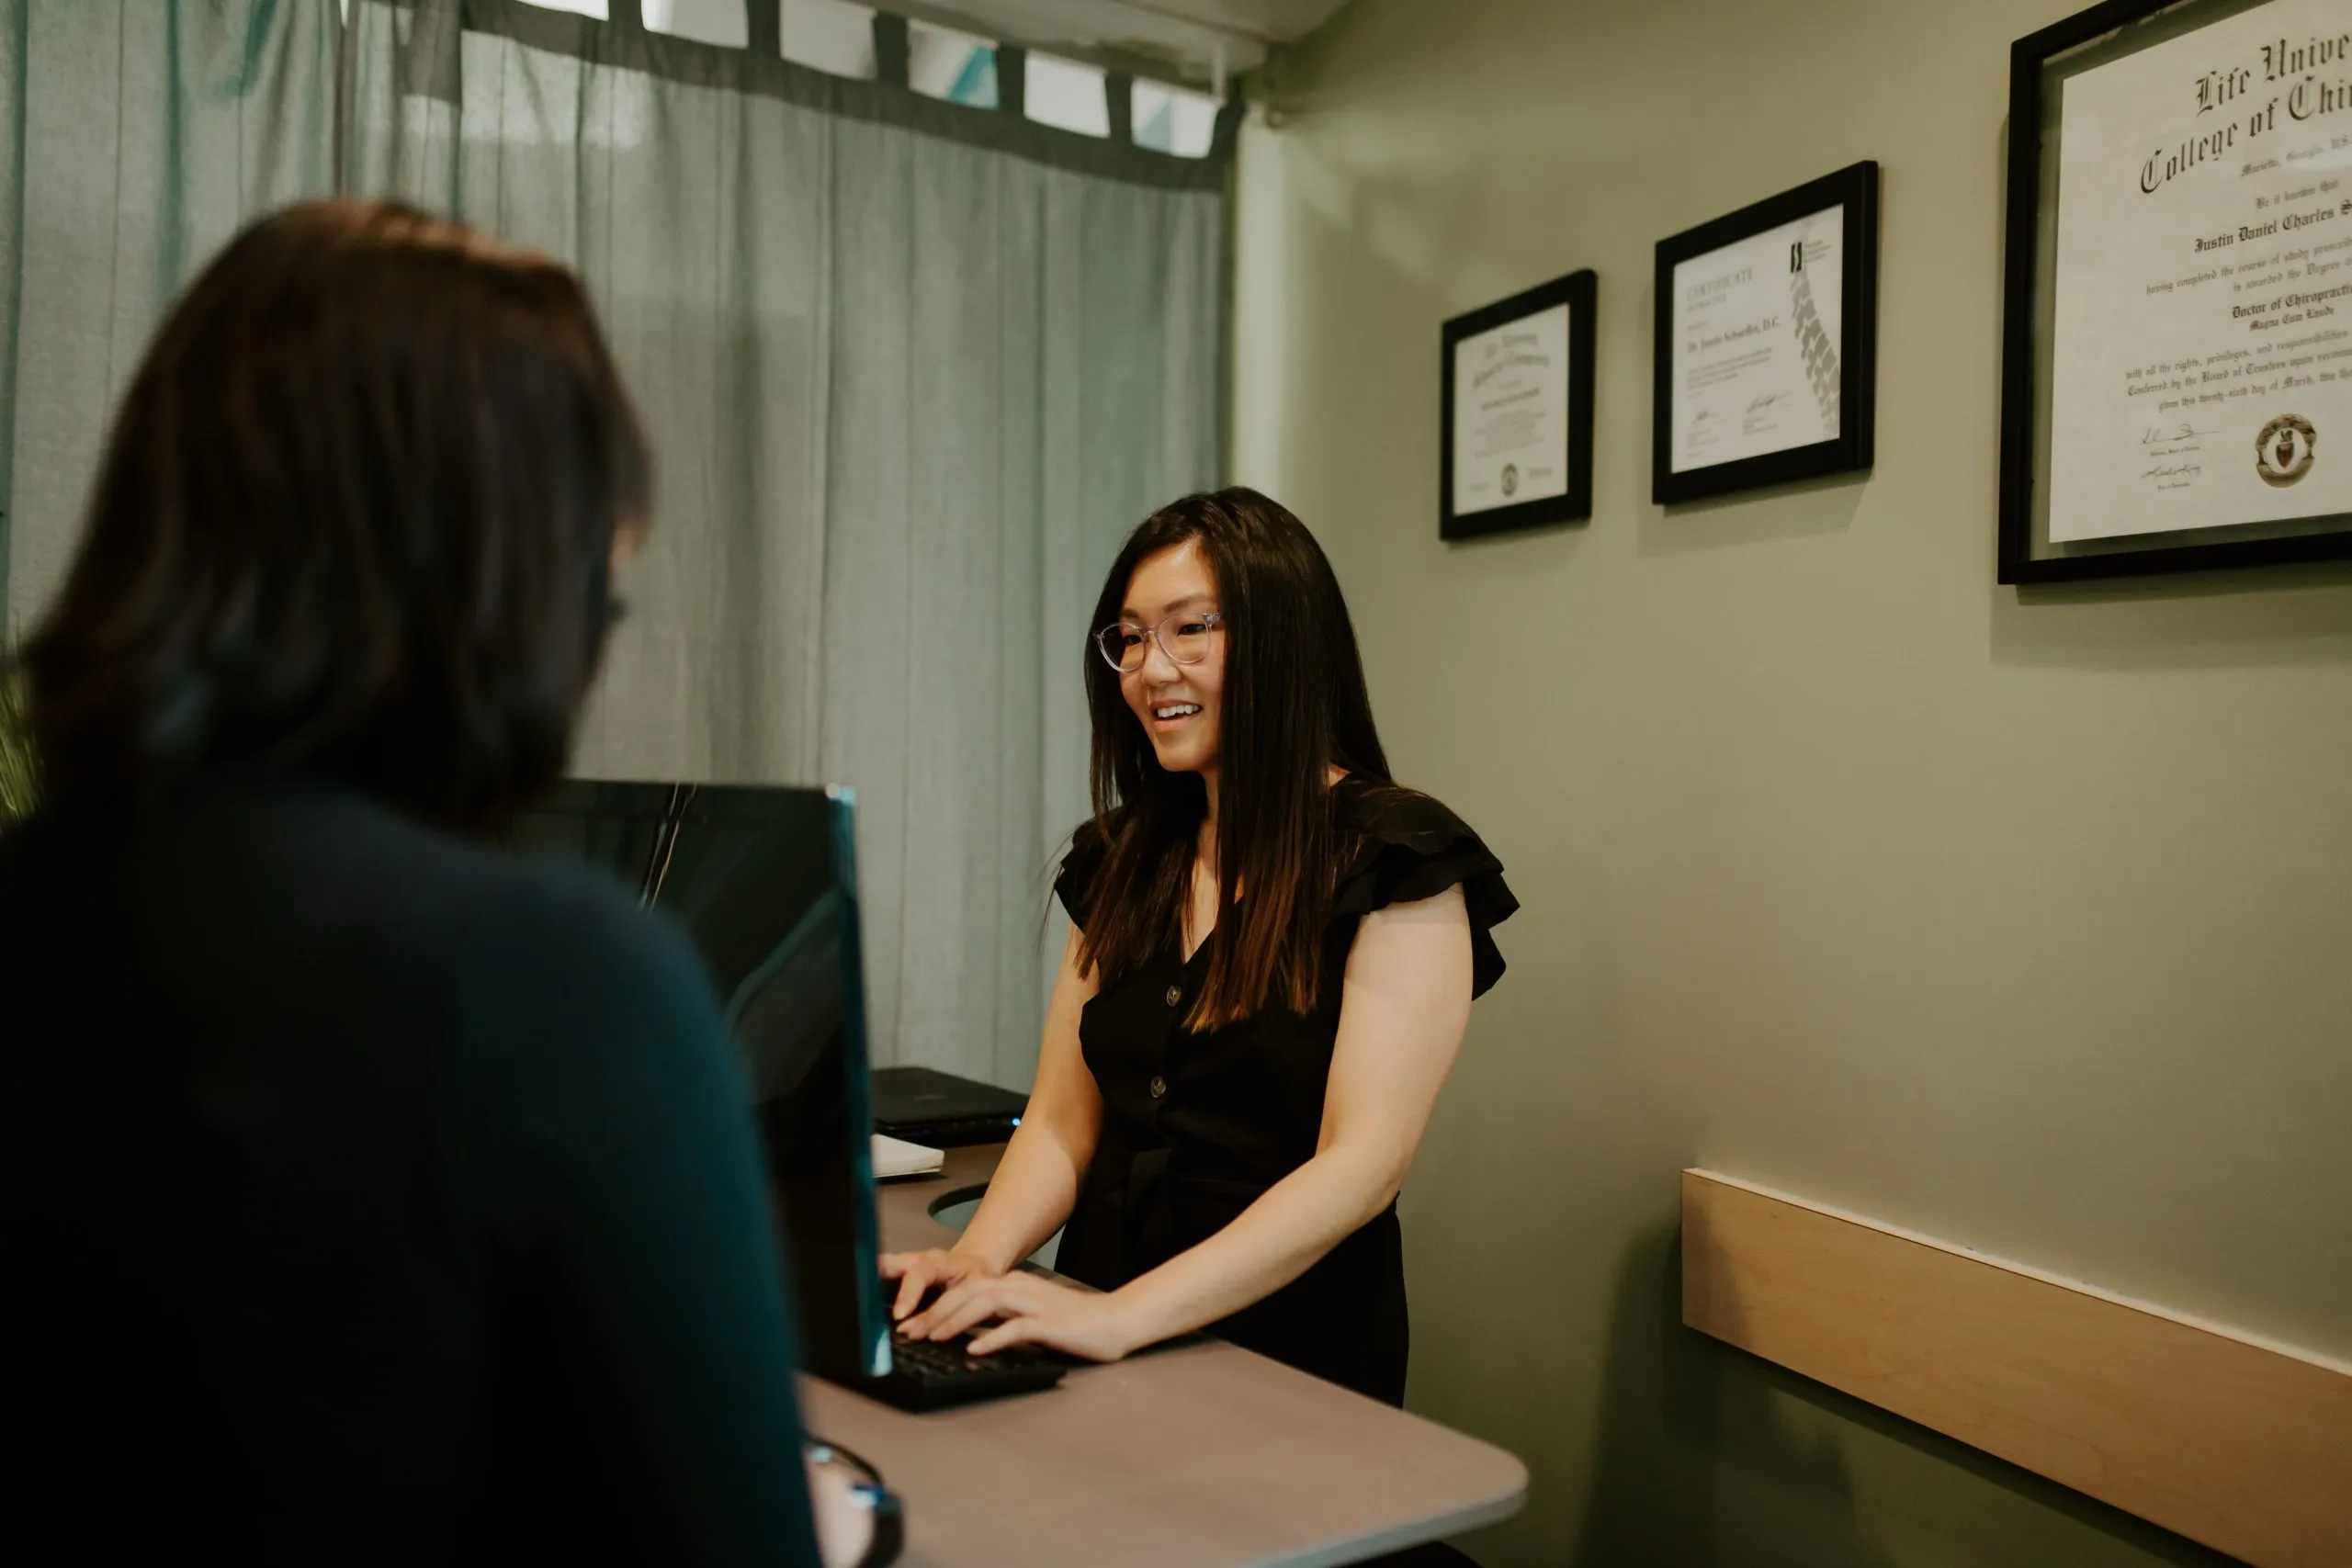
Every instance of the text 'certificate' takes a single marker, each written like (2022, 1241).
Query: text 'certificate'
(1510, 413)
(1756, 329)
(2201, 355)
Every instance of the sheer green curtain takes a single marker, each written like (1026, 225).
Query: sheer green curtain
(911, 369)
(135, 136)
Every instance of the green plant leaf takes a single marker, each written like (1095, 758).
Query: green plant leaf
(19, 776)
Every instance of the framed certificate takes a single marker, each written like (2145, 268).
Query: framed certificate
(1768, 342)
(1517, 446)
(2177, 358)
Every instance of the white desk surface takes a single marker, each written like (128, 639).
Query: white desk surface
(1208, 1455)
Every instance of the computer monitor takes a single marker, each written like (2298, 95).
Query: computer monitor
(764, 880)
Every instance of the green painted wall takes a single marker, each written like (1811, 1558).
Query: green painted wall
(2022, 920)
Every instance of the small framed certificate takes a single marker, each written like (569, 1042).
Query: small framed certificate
(1517, 444)
(2176, 353)
(1768, 342)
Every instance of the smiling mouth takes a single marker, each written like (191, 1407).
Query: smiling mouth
(1168, 713)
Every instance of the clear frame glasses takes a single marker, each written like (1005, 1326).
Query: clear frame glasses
(1185, 637)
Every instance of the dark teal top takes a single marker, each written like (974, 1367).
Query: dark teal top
(372, 1197)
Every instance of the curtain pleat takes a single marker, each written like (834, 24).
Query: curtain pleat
(136, 136)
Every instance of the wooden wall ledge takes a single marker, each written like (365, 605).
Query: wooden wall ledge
(2228, 1440)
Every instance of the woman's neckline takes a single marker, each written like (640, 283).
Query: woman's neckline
(1185, 960)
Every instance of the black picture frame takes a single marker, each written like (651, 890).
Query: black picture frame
(1852, 449)
(1578, 291)
(2106, 32)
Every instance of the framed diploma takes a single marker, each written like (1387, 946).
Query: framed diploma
(1768, 342)
(1517, 447)
(2177, 358)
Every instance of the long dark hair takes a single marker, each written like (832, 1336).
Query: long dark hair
(1293, 706)
(354, 521)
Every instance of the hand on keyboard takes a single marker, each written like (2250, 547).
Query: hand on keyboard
(909, 1278)
(931, 1374)
(1023, 1308)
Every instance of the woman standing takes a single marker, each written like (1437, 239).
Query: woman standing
(1274, 953)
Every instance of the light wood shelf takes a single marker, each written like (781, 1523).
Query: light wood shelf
(2244, 1445)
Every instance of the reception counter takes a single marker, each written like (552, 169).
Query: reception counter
(1201, 1456)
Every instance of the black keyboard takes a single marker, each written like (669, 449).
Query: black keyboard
(928, 1374)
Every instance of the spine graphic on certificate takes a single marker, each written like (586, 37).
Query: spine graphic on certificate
(1755, 359)
(1812, 341)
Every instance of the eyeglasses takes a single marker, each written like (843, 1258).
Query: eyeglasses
(1184, 636)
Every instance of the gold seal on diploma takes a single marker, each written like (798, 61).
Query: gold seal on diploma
(2283, 453)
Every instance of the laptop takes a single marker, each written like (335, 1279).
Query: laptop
(765, 881)
(941, 1110)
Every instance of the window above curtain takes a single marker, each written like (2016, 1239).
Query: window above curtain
(860, 61)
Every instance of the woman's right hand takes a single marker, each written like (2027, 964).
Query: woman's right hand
(918, 1273)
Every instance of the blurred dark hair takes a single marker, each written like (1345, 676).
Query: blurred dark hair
(1293, 706)
(354, 521)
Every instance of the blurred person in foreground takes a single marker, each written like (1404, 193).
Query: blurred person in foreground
(372, 1195)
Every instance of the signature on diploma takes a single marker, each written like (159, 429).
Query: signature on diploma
(1765, 401)
(2168, 433)
(2175, 472)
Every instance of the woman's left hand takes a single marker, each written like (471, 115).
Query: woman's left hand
(1034, 1310)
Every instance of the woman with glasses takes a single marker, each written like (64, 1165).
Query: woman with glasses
(1274, 953)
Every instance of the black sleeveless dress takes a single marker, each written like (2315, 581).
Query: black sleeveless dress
(1196, 1126)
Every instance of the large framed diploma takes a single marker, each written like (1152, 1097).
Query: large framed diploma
(2177, 374)
(1517, 446)
(1768, 342)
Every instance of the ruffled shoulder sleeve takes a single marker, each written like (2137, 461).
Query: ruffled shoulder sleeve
(1409, 847)
(1075, 885)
